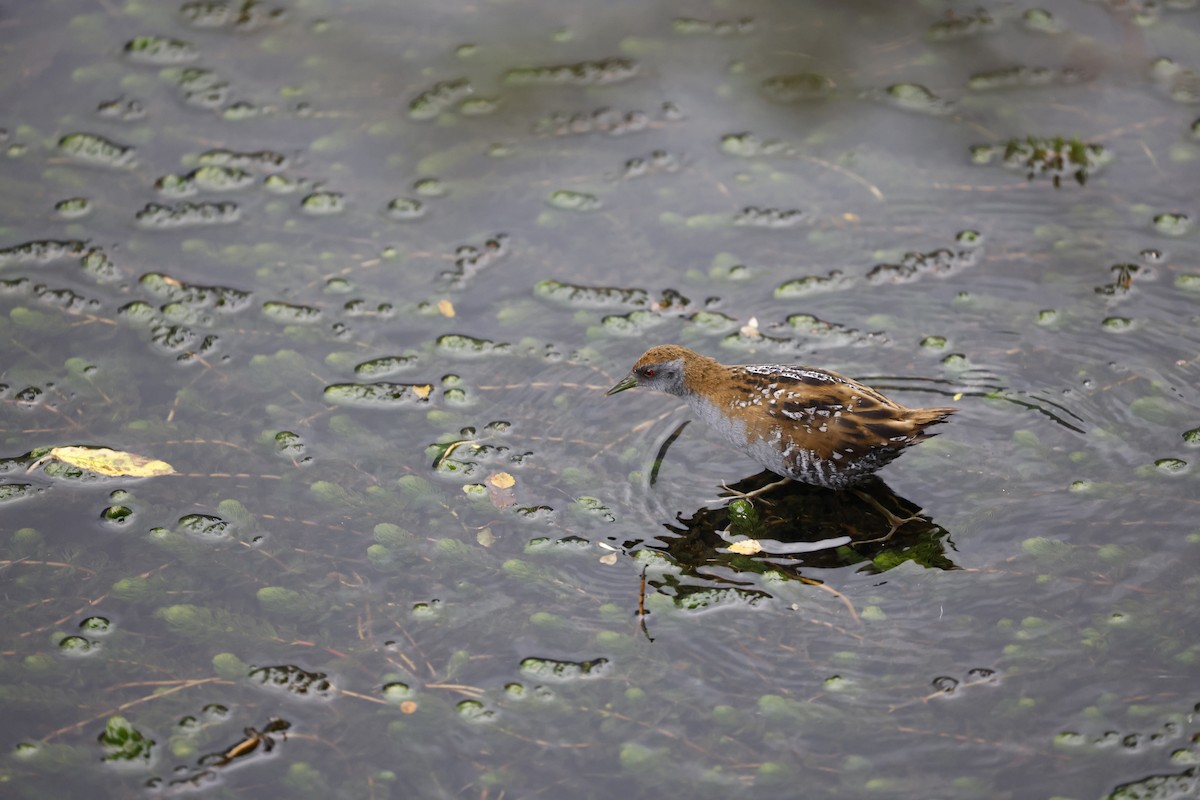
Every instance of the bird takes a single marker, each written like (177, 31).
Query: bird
(805, 424)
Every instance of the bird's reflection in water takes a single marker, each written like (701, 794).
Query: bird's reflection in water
(796, 530)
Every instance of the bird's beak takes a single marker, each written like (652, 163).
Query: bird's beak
(628, 382)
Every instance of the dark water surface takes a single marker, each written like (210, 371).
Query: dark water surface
(361, 273)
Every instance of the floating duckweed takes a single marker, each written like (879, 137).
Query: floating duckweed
(176, 186)
(573, 201)
(479, 106)
(1181, 85)
(378, 395)
(289, 313)
(1042, 21)
(1117, 324)
(205, 526)
(1192, 437)
(323, 203)
(813, 284)
(602, 120)
(387, 365)
(160, 50)
(430, 187)
(42, 251)
(553, 669)
(637, 758)
(243, 109)
(915, 97)
(934, 342)
(584, 73)
(75, 645)
(632, 324)
(1171, 466)
(591, 296)
(1046, 549)
(292, 679)
(221, 178)
(1188, 282)
(659, 161)
(380, 556)
(912, 266)
(798, 87)
(715, 598)
(135, 590)
(262, 161)
(955, 361)
(155, 215)
(961, 26)
(474, 711)
(405, 208)
(713, 320)
(194, 296)
(125, 110)
(1080, 486)
(1009, 77)
(117, 515)
(73, 207)
(361, 308)
(202, 88)
(810, 325)
(1070, 739)
(1055, 157)
(743, 518)
(436, 99)
(754, 217)
(748, 145)
(243, 17)
(1169, 224)
(289, 603)
(396, 691)
(94, 149)
(459, 344)
(208, 14)
(124, 743)
(1047, 316)
(426, 610)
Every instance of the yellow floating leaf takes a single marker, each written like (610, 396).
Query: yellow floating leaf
(502, 480)
(748, 547)
(422, 390)
(958, 395)
(104, 461)
(446, 307)
(408, 707)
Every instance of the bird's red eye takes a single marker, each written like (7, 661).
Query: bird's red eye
(649, 373)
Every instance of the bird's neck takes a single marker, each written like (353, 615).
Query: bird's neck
(702, 375)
